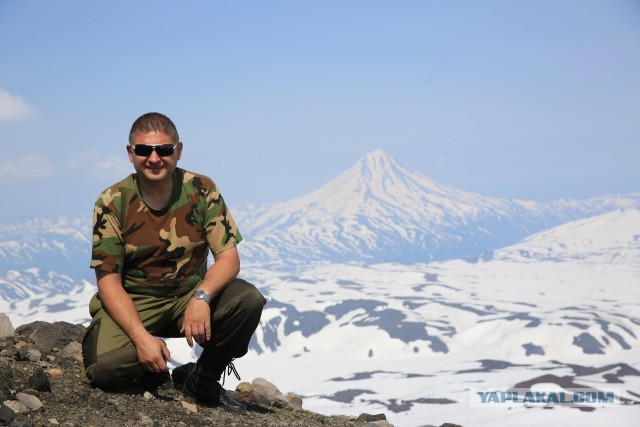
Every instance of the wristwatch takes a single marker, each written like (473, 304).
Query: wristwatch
(200, 294)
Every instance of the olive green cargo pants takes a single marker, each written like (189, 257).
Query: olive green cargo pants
(111, 360)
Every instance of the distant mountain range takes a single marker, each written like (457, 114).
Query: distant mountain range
(55, 244)
(378, 211)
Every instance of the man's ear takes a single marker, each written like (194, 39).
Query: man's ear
(130, 153)
(179, 150)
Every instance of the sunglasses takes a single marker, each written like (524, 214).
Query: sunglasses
(145, 150)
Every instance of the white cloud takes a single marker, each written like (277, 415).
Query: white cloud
(112, 168)
(25, 169)
(14, 108)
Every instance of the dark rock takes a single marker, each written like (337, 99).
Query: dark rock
(5, 393)
(39, 380)
(48, 336)
(6, 415)
(369, 417)
(450, 425)
(6, 383)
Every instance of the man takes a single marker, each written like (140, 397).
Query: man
(152, 233)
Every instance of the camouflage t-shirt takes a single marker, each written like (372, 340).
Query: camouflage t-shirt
(161, 251)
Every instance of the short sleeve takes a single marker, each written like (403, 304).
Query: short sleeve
(107, 252)
(220, 229)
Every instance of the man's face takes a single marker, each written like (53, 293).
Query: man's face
(154, 168)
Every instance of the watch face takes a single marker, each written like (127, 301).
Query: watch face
(200, 294)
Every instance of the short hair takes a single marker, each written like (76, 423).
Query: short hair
(154, 122)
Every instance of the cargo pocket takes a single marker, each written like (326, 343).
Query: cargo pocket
(90, 344)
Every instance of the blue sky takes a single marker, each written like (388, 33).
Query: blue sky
(532, 99)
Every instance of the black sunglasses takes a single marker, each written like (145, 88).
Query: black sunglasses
(145, 150)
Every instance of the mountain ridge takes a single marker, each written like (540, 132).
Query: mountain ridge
(612, 237)
(378, 211)
(375, 211)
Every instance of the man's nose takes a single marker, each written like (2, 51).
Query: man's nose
(153, 157)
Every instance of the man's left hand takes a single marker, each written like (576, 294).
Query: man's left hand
(197, 322)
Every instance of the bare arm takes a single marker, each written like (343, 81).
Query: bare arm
(152, 352)
(197, 317)
(222, 272)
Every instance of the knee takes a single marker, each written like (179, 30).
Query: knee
(115, 370)
(249, 297)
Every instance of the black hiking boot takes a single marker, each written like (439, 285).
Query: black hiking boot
(155, 382)
(201, 383)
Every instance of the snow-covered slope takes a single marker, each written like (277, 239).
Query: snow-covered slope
(412, 340)
(44, 270)
(31, 294)
(423, 308)
(62, 245)
(378, 211)
(612, 237)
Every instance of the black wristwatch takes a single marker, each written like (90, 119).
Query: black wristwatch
(200, 294)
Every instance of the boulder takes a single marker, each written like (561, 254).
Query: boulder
(30, 401)
(6, 328)
(73, 350)
(48, 336)
(267, 391)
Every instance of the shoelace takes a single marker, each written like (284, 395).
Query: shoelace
(230, 368)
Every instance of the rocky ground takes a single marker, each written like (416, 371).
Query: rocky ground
(40, 385)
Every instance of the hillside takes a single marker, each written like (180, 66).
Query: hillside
(613, 237)
(40, 386)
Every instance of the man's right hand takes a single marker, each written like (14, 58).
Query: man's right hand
(152, 353)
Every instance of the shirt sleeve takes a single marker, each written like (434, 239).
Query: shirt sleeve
(220, 229)
(107, 252)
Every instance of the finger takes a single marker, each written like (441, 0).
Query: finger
(207, 331)
(188, 336)
(162, 366)
(201, 332)
(165, 352)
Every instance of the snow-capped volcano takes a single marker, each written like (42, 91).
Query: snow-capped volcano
(379, 211)
(376, 211)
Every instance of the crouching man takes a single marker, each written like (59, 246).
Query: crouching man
(152, 233)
